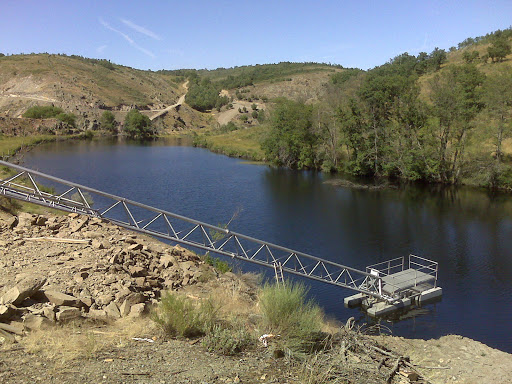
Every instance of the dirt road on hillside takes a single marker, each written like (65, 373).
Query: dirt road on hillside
(181, 100)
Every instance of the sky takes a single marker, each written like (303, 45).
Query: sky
(211, 34)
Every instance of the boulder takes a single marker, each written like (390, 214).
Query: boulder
(112, 311)
(49, 313)
(78, 224)
(167, 261)
(187, 265)
(87, 301)
(25, 219)
(34, 322)
(13, 327)
(104, 299)
(59, 298)
(135, 247)
(100, 244)
(97, 314)
(137, 271)
(137, 310)
(40, 221)
(12, 222)
(23, 290)
(131, 300)
(68, 313)
(7, 311)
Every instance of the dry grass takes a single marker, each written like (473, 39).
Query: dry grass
(244, 142)
(235, 300)
(81, 340)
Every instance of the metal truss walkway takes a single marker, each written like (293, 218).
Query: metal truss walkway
(26, 185)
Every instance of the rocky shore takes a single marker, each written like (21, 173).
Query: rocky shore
(61, 268)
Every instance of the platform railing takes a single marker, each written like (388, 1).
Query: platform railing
(421, 267)
(427, 266)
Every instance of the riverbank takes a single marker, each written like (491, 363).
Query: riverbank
(87, 320)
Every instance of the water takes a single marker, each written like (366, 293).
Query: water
(467, 231)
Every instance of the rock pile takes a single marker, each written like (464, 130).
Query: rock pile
(62, 268)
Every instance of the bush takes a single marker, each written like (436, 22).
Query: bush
(42, 112)
(229, 127)
(226, 341)
(178, 316)
(215, 262)
(67, 118)
(287, 311)
(108, 122)
(138, 126)
(87, 135)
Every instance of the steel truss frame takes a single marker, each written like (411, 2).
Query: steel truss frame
(23, 185)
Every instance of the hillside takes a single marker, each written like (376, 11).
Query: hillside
(84, 87)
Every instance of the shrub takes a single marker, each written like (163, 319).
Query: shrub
(42, 112)
(12, 206)
(108, 121)
(227, 341)
(178, 316)
(287, 311)
(219, 265)
(88, 135)
(254, 114)
(229, 127)
(67, 118)
(138, 126)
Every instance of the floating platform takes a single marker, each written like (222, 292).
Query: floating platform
(405, 282)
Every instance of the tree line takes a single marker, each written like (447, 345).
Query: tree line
(448, 127)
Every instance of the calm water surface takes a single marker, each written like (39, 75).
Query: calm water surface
(468, 232)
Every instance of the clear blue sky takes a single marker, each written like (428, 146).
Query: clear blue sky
(210, 34)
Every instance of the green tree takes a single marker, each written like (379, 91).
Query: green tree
(470, 56)
(291, 141)
(108, 121)
(456, 98)
(497, 95)
(437, 58)
(138, 126)
(499, 49)
(203, 95)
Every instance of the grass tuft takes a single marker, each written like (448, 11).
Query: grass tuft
(287, 311)
(227, 341)
(179, 317)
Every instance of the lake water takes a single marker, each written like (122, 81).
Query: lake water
(467, 231)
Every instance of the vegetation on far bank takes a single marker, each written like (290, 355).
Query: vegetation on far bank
(442, 117)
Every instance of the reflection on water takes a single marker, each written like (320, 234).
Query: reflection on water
(466, 230)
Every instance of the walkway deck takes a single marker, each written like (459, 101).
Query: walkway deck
(408, 279)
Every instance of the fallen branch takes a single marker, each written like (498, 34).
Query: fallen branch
(59, 240)
(394, 370)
